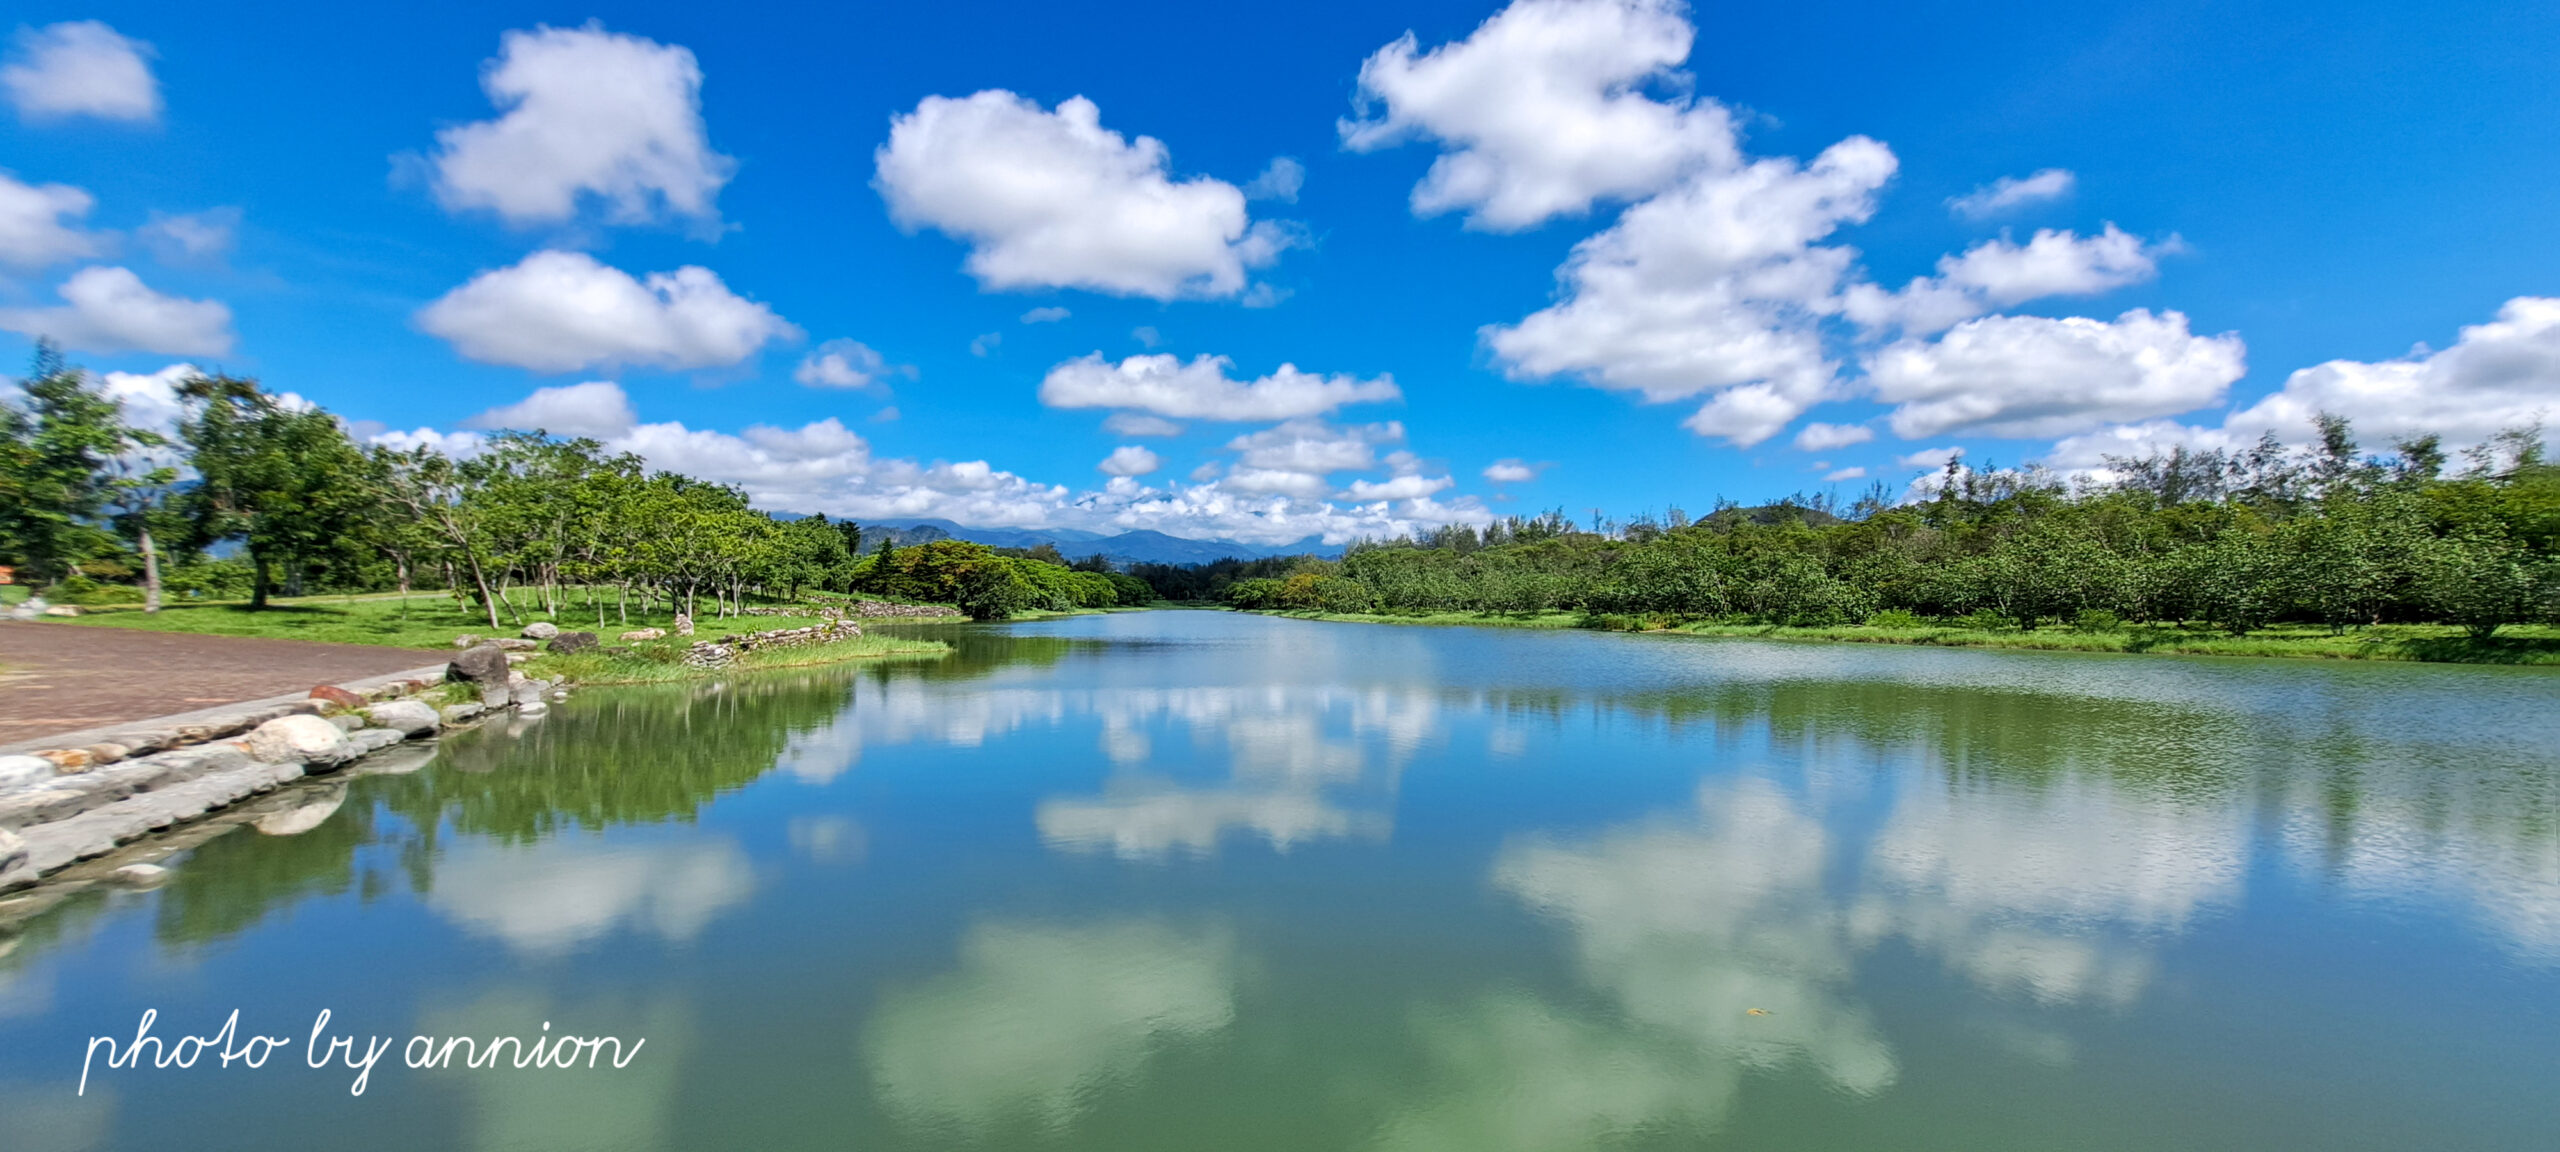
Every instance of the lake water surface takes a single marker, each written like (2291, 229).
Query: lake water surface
(1190, 880)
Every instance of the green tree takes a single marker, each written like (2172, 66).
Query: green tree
(284, 479)
(56, 453)
(2485, 582)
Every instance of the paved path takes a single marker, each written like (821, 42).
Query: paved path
(65, 677)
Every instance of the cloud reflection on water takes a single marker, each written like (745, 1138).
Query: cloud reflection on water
(549, 898)
(1040, 1020)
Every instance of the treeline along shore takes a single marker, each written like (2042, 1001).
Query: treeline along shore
(2319, 539)
(259, 495)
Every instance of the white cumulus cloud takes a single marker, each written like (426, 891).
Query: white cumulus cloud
(81, 68)
(2496, 376)
(585, 112)
(1130, 460)
(597, 408)
(1511, 470)
(2032, 376)
(843, 364)
(1404, 487)
(1543, 110)
(150, 399)
(1821, 437)
(1999, 273)
(1202, 390)
(190, 237)
(108, 309)
(1313, 447)
(2013, 192)
(1715, 286)
(1052, 199)
(563, 311)
(1047, 315)
(1280, 180)
(39, 224)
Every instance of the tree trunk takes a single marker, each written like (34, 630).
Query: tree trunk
(150, 573)
(257, 581)
(486, 600)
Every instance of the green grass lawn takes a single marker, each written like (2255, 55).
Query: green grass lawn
(423, 620)
(2436, 643)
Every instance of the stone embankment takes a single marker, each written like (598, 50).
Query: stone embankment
(110, 787)
(722, 652)
(866, 609)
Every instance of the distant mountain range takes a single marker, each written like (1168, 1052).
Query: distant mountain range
(1140, 547)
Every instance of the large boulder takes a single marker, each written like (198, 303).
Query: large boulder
(466, 640)
(13, 853)
(308, 739)
(372, 740)
(24, 772)
(541, 630)
(644, 634)
(517, 644)
(480, 664)
(406, 717)
(567, 643)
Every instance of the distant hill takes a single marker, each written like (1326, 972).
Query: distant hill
(1140, 547)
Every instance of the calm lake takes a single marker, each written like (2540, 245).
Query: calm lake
(1193, 880)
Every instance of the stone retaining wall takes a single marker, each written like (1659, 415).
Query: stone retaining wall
(867, 609)
(881, 608)
(722, 652)
(62, 805)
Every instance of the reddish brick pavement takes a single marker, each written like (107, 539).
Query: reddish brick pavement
(65, 677)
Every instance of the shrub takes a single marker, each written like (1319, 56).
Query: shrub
(1896, 618)
(1260, 592)
(89, 593)
(1987, 620)
(2097, 620)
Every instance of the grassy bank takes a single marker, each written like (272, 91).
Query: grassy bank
(2418, 642)
(422, 620)
(662, 662)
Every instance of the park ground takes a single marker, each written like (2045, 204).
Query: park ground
(122, 664)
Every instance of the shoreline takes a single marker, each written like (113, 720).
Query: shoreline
(597, 670)
(2415, 644)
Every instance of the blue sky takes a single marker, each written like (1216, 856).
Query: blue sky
(2249, 212)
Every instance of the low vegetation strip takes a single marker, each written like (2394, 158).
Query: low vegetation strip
(2320, 551)
(2439, 644)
